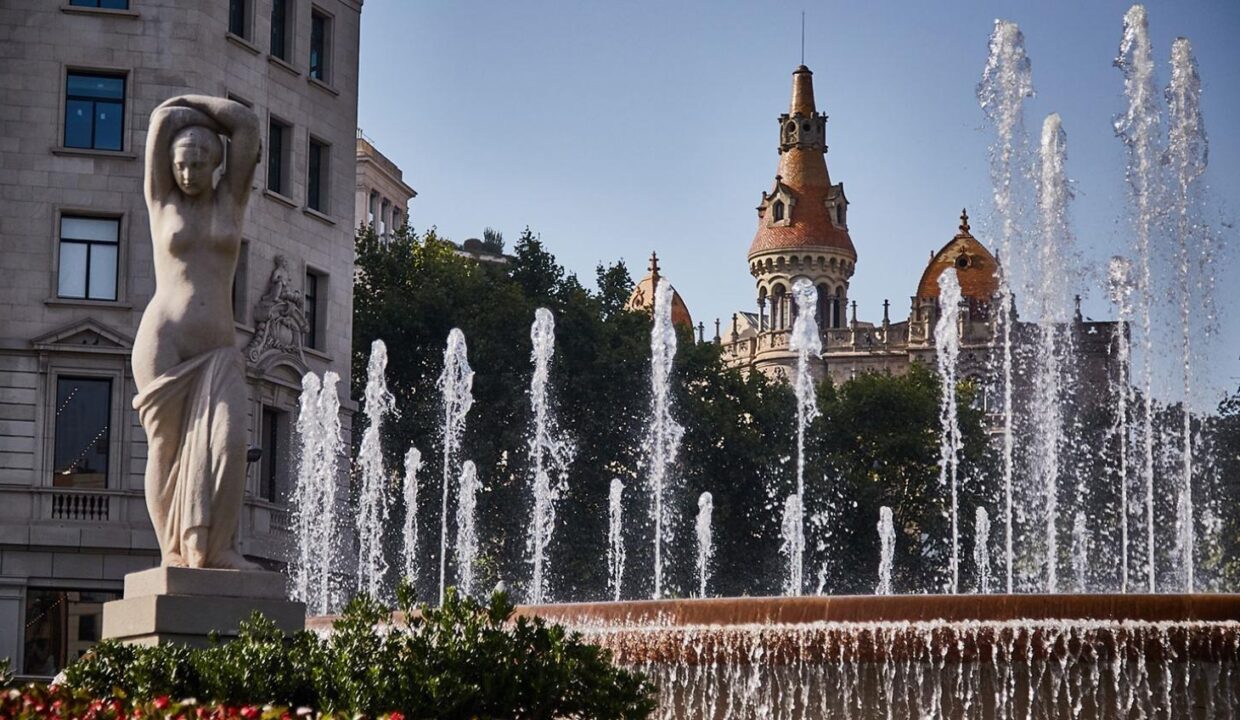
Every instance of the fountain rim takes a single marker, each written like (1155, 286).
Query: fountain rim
(785, 611)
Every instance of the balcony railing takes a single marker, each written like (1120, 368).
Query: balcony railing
(80, 506)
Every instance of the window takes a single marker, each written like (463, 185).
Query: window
(238, 14)
(280, 35)
(88, 257)
(94, 111)
(777, 212)
(273, 451)
(320, 46)
(277, 156)
(316, 181)
(370, 208)
(105, 4)
(83, 415)
(315, 285)
(61, 625)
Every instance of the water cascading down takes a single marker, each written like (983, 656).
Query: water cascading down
(981, 549)
(456, 390)
(807, 344)
(1120, 289)
(1007, 82)
(409, 532)
(615, 537)
(1138, 128)
(1187, 153)
(373, 501)
(314, 498)
(664, 434)
(550, 454)
(947, 353)
(1052, 297)
(705, 545)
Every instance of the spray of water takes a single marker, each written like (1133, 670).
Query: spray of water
(373, 500)
(1080, 552)
(314, 497)
(456, 388)
(947, 353)
(1053, 357)
(467, 526)
(1120, 287)
(790, 532)
(981, 549)
(1007, 81)
(1187, 153)
(705, 546)
(807, 344)
(550, 454)
(409, 534)
(1138, 128)
(615, 538)
(887, 550)
(663, 440)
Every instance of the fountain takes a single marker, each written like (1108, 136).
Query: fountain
(947, 345)
(314, 497)
(705, 548)
(409, 536)
(887, 550)
(989, 654)
(549, 455)
(372, 503)
(456, 387)
(663, 441)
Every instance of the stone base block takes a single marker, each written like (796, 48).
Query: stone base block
(184, 605)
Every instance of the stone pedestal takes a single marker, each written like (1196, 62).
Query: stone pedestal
(184, 605)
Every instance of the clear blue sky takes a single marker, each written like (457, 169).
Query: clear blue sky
(617, 128)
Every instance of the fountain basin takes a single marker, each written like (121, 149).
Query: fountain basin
(924, 656)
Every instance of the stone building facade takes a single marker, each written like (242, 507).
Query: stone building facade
(803, 233)
(79, 80)
(382, 196)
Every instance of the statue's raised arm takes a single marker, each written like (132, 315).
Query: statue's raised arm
(183, 147)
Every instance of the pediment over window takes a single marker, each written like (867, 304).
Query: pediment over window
(776, 206)
(87, 335)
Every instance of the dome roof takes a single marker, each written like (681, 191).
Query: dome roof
(976, 269)
(642, 297)
(803, 183)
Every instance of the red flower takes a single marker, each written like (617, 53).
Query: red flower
(161, 702)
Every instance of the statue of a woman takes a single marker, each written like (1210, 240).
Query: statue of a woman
(190, 375)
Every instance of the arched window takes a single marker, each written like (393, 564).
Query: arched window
(840, 310)
(779, 308)
(777, 211)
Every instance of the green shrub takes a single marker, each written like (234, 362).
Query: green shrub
(460, 660)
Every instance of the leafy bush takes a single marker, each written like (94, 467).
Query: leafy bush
(461, 660)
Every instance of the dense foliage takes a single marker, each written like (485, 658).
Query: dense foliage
(461, 660)
(875, 443)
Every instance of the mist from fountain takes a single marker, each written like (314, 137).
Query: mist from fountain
(886, 550)
(981, 549)
(409, 532)
(550, 454)
(1007, 81)
(947, 354)
(663, 440)
(373, 499)
(1187, 155)
(456, 390)
(1138, 127)
(313, 503)
(467, 526)
(615, 537)
(806, 342)
(705, 544)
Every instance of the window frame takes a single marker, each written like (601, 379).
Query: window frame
(246, 18)
(323, 73)
(318, 183)
(285, 156)
(269, 470)
(90, 244)
(289, 31)
(54, 586)
(121, 74)
(110, 469)
(96, 4)
(122, 256)
(316, 308)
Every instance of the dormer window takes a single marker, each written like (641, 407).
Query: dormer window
(777, 211)
(841, 214)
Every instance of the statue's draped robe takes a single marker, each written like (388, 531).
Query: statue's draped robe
(202, 481)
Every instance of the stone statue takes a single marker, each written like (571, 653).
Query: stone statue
(190, 375)
(280, 323)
